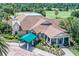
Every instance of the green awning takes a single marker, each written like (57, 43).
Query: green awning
(28, 37)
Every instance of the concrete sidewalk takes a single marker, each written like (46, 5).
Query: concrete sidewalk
(41, 52)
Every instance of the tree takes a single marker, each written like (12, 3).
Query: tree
(72, 27)
(7, 18)
(3, 47)
(75, 14)
(41, 11)
(3, 28)
(56, 13)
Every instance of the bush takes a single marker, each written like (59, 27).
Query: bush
(11, 38)
(7, 36)
(75, 14)
(54, 50)
(5, 28)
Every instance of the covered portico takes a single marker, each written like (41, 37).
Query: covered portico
(62, 40)
(28, 39)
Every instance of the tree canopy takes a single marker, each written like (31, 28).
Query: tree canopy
(75, 14)
(72, 26)
(12, 8)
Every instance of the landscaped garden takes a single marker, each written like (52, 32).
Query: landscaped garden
(75, 49)
(6, 32)
(54, 49)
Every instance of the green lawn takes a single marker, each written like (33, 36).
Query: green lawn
(75, 52)
(62, 14)
(51, 15)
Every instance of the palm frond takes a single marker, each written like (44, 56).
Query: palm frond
(3, 47)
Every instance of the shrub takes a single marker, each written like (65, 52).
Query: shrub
(54, 50)
(75, 14)
(11, 38)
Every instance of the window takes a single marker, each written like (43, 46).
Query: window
(53, 40)
(60, 40)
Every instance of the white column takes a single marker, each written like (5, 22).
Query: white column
(50, 41)
(19, 43)
(69, 40)
(32, 42)
(56, 41)
(63, 40)
(27, 46)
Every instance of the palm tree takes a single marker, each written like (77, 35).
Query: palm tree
(7, 18)
(3, 47)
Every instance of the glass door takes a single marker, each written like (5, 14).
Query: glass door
(66, 41)
(60, 42)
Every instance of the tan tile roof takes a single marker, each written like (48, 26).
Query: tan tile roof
(56, 24)
(27, 22)
(52, 31)
(30, 21)
(41, 28)
(20, 17)
(38, 23)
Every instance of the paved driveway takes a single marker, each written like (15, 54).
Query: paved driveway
(67, 52)
(15, 50)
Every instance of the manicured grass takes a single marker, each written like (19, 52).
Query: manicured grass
(62, 14)
(75, 52)
(51, 14)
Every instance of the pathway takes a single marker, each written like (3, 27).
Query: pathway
(67, 52)
(41, 52)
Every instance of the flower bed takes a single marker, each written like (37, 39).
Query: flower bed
(53, 50)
